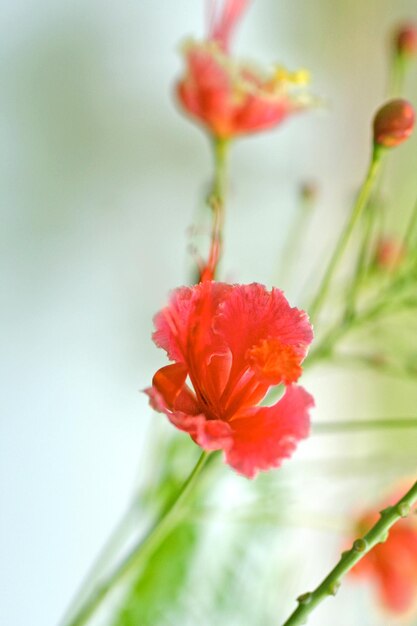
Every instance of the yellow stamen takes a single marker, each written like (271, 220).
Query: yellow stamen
(299, 77)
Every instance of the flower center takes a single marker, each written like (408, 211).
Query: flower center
(274, 362)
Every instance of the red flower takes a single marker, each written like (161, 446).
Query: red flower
(234, 342)
(405, 39)
(230, 98)
(390, 253)
(392, 565)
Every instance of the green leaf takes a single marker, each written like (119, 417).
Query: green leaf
(157, 590)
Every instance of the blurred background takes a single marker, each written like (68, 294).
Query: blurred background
(101, 180)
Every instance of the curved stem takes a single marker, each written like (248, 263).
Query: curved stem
(377, 534)
(141, 551)
(357, 210)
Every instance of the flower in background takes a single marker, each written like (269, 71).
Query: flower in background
(393, 123)
(392, 566)
(233, 343)
(405, 40)
(231, 98)
(389, 254)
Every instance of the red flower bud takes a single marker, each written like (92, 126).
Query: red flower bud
(389, 254)
(309, 191)
(405, 40)
(393, 123)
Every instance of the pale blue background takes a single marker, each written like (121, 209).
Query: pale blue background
(100, 179)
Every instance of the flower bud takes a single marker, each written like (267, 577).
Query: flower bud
(405, 40)
(390, 254)
(309, 191)
(393, 123)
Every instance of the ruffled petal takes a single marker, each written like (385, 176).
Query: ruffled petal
(209, 434)
(251, 314)
(172, 323)
(263, 437)
(190, 312)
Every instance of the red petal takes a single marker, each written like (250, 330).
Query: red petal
(396, 564)
(171, 324)
(221, 26)
(209, 434)
(206, 90)
(263, 437)
(251, 314)
(191, 309)
(169, 382)
(260, 113)
(392, 566)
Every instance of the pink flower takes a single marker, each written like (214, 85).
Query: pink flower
(230, 98)
(233, 343)
(392, 566)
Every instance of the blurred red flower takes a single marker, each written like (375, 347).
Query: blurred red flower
(389, 254)
(234, 342)
(230, 98)
(392, 566)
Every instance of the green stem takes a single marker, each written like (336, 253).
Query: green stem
(353, 426)
(221, 154)
(118, 536)
(411, 230)
(398, 71)
(327, 344)
(361, 265)
(377, 534)
(141, 551)
(217, 203)
(357, 210)
(374, 361)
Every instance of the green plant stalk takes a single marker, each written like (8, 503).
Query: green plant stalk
(374, 362)
(141, 551)
(398, 72)
(354, 426)
(217, 201)
(361, 546)
(341, 246)
(326, 345)
(221, 155)
(361, 265)
(411, 229)
(113, 544)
